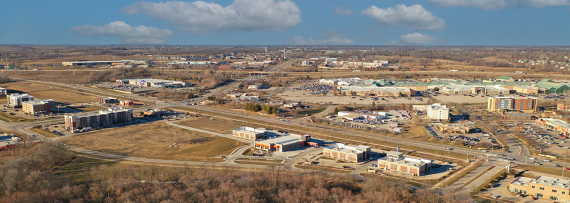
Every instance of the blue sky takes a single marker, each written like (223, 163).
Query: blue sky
(283, 22)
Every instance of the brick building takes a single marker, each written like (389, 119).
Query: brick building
(344, 152)
(515, 104)
(395, 161)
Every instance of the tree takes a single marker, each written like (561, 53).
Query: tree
(335, 111)
(373, 104)
(275, 110)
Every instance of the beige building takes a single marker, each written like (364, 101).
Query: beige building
(38, 106)
(97, 120)
(395, 161)
(525, 90)
(543, 187)
(283, 143)
(453, 129)
(250, 133)
(344, 152)
(374, 91)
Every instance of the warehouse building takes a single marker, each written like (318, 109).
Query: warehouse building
(16, 99)
(517, 104)
(250, 133)
(103, 118)
(395, 161)
(544, 187)
(345, 152)
(283, 143)
(38, 106)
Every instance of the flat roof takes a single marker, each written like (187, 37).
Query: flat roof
(379, 89)
(291, 138)
(554, 182)
(524, 181)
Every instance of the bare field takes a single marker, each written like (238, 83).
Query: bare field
(214, 125)
(153, 140)
(45, 92)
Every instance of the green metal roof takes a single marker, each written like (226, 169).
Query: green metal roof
(505, 78)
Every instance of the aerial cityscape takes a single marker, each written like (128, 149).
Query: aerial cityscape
(285, 101)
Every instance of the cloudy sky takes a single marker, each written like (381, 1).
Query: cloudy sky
(287, 22)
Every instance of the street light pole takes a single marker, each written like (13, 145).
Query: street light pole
(564, 165)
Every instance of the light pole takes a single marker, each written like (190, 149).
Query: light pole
(564, 165)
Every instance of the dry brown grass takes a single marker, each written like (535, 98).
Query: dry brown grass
(40, 91)
(152, 140)
(214, 125)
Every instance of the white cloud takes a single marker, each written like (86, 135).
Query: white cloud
(331, 37)
(542, 3)
(482, 4)
(127, 33)
(499, 4)
(418, 39)
(414, 17)
(202, 18)
(339, 10)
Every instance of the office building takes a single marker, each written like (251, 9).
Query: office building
(16, 99)
(283, 143)
(395, 161)
(97, 120)
(515, 104)
(543, 187)
(250, 133)
(38, 106)
(345, 152)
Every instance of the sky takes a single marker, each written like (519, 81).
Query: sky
(287, 22)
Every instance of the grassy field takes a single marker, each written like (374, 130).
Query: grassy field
(43, 132)
(152, 140)
(214, 125)
(40, 91)
(78, 169)
(10, 118)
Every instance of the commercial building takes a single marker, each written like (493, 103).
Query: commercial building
(435, 111)
(345, 152)
(556, 124)
(283, 143)
(526, 90)
(375, 91)
(154, 112)
(97, 120)
(250, 133)
(108, 100)
(517, 104)
(16, 99)
(38, 106)
(550, 87)
(562, 106)
(475, 89)
(127, 103)
(110, 63)
(453, 129)
(353, 116)
(3, 91)
(150, 82)
(395, 161)
(543, 187)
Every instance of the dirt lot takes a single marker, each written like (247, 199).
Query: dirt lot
(461, 99)
(45, 92)
(214, 125)
(153, 140)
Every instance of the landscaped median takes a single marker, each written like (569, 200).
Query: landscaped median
(252, 161)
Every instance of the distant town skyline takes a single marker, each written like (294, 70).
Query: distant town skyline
(288, 22)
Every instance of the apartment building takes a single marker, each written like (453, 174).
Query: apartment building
(16, 99)
(97, 120)
(543, 187)
(345, 152)
(250, 133)
(517, 104)
(395, 161)
(38, 106)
